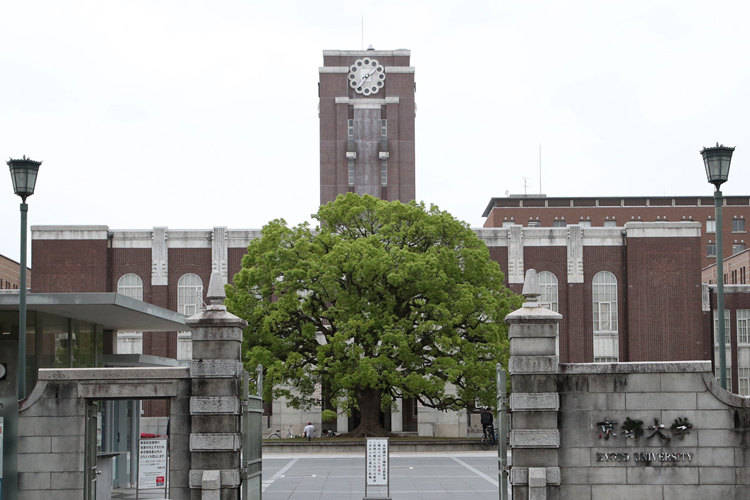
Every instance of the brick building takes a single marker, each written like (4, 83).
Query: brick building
(540, 211)
(634, 271)
(10, 274)
(616, 287)
(367, 113)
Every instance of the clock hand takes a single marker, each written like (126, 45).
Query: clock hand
(366, 77)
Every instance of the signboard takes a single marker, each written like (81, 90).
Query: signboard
(152, 463)
(377, 462)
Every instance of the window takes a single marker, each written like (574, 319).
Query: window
(711, 250)
(738, 225)
(535, 223)
(716, 327)
(743, 334)
(189, 294)
(508, 223)
(584, 223)
(383, 159)
(605, 359)
(610, 223)
(744, 376)
(131, 286)
(710, 226)
(548, 286)
(351, 154)
(604, 290)
(729, 374)
(558, 223)
(737, 248)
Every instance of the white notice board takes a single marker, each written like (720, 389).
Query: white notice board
(152, 463)
(377, 461)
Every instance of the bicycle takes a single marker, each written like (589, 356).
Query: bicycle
(277, 433)
(487, 442)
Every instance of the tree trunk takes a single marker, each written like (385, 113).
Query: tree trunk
(368, 401)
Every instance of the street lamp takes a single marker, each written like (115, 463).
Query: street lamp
(717, 160)
(24, 173)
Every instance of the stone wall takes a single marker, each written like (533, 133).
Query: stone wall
(51, 425)
(711, 459)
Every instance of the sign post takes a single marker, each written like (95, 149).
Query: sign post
(152, 465)
(377, 467)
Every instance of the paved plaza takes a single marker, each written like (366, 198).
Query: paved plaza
(341, 476)
(414, 476)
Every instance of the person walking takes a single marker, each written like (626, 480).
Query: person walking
(309, 431)
(487, 424)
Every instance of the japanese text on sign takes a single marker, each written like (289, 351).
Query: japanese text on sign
(152, 463)
(377, 461)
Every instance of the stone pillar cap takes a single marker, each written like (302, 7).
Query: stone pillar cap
(216, 293)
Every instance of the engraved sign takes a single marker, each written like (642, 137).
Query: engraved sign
(377, 461)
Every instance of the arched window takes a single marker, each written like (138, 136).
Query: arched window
(548, 286)
(604, 290)
(606, 343)
(189, 294)
(131, 286)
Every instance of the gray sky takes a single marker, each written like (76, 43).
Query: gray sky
(194, 114)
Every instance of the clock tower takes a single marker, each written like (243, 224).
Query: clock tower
(367, 115)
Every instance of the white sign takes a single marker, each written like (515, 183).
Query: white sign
(377, 461)
(152, 463)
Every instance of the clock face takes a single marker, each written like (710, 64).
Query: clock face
(366, 76)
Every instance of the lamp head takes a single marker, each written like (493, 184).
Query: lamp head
(717, 160)
(24, 172)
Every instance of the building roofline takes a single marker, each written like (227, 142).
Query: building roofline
(625, 201)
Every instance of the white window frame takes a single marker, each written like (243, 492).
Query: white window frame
(743, 374)
(727, 323)
(548, 285)
(738, 225)
(584, 223)
(610, 223)
(743, 326)
(189, 294)
(710, 226)
(604, 298)
(130, 285)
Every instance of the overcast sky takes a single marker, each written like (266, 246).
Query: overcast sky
(194, 114)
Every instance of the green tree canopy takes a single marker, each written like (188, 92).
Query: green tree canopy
(384, 300)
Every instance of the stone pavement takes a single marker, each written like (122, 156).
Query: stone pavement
(414, 476)
(340, 476)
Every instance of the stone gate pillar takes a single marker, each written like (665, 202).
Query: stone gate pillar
(534, 401)
(215, 407)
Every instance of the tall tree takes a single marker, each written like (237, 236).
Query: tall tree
(383, 300)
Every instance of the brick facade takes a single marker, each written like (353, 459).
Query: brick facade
(10, 274)
(394, 103)
(546, 212)
(655, 265)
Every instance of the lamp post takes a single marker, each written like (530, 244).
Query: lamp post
(24, 173)
(716, 161)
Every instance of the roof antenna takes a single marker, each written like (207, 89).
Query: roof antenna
(540, 168)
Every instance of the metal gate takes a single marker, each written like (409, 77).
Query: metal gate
(252, 437)
(90, 473)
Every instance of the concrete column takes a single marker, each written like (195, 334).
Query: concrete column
(534, 401)
(215, 406)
